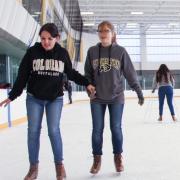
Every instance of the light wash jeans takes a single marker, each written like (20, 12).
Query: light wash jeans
(98, 113)
(35, 110)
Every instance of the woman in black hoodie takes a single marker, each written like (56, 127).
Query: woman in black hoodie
(42, 70)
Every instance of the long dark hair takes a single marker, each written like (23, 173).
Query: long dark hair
(163, 71)
(51, 28)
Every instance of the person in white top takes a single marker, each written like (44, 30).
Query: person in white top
(164, 81)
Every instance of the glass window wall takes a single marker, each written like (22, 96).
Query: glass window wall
(132, 45)
(163, 48)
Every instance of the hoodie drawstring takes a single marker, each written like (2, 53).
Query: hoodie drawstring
(109, 52)
(99, 59)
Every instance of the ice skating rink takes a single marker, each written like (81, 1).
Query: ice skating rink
(151, 148)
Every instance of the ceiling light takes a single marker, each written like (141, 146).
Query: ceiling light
(87, 13)
(173, 24)
(131, 25)
(155, 26)
(34, 15)
(37, 12)
(137, 12)
(89, 24)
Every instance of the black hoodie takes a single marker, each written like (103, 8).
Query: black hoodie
(43, 70)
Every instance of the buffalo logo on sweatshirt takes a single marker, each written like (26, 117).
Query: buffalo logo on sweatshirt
(106, 65)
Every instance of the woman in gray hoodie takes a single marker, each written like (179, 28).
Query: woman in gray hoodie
(105, 66)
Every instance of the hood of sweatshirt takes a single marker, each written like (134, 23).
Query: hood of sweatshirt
(47, 53)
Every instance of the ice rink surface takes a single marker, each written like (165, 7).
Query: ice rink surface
(151, 148)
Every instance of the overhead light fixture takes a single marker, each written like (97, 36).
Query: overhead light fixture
(155, 26)
(173, 24)
(131, 25)
(37, 12)
(87, 13)
(89, 24)
(137, 12)
(34, 15)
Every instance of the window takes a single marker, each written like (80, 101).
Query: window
(163, 48)
(132, 44)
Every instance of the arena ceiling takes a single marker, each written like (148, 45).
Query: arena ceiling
(133, 16)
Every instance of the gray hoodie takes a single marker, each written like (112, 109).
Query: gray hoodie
(105, 68)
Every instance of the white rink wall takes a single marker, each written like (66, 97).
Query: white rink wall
(17, 108)
(3, 111)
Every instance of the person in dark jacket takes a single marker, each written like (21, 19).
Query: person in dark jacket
(42, 70)
(105, 66)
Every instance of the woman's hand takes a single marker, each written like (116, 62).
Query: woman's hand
(5, 102)
(91, 89)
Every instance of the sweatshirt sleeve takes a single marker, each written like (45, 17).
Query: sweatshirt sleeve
(72, 74)
(172, 81)
(22, 77)
(88, 69)
(130, 74)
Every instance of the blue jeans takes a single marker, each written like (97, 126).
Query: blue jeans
(168, 92)
(98, 113)
(35, 110)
